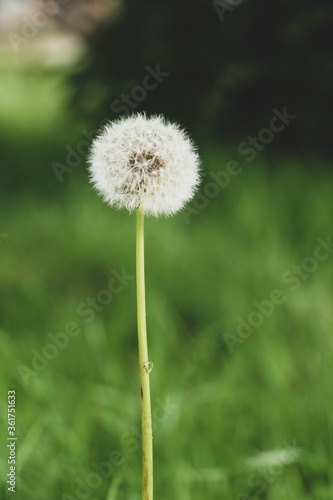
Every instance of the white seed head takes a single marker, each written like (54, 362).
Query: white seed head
(144, 162)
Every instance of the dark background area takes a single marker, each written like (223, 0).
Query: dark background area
(227, 68)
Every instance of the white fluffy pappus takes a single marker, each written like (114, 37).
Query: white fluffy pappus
(144, 162)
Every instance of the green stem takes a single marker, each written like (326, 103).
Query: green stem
(147, 436)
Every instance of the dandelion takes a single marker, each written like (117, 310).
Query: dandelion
(151, 166)
(144, 162)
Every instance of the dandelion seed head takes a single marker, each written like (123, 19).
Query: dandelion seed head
(144, 162)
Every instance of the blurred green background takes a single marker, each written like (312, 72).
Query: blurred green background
(238, 413)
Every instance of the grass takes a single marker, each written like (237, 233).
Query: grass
(220, 417)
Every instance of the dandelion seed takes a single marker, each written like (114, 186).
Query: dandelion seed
(144, 162)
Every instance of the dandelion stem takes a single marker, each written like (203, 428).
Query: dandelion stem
(147, 437)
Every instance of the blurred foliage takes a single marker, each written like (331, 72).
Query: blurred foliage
(225, 75)
(222, 408)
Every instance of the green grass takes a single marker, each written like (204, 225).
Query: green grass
(214, 409)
